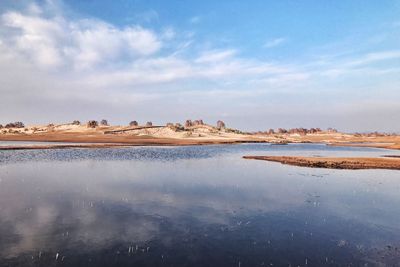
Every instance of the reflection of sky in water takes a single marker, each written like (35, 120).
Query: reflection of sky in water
(194, 206)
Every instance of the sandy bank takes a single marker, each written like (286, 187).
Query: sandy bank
(334, 163)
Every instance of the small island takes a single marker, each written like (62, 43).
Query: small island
(356, 163)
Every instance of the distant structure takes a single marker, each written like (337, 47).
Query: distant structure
(92, 124)
(104, 122)
(149, 123)
(220, 124)
(133, 123)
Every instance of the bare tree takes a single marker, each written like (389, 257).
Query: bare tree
(92, 124)
(104, 122)
(188, 123)
(220, 124)
(282, 131)
(19, 124)
(179, 127)
(133, 123)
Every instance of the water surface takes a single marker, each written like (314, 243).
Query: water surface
(195, 206)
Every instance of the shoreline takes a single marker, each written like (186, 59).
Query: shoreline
(99, 142)
(394, 146)
(73, 136)
(355, 163)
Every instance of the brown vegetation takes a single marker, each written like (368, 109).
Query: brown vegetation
(133, 123)
(220, 124)
(334, 163)
(92, 124)
(16, 124)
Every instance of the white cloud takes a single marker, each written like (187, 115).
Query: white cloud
(71, 67)
(374, 57)
(274, 42)
(216, 56)
(53, 42)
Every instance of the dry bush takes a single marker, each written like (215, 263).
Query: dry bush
(92, 124)
(133, 123)
(16, 124)
(188, 123)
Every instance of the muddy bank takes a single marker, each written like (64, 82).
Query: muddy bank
(366, 144)
(334, 163)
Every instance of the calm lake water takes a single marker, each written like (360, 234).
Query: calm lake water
(195, 206)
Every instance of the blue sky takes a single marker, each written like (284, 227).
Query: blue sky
(256, 65)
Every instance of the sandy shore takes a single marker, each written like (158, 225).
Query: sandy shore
(112, 136)
(108, 141)
(334, 163)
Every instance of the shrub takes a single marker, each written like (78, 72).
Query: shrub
(149, 123)
(188, 123)
(282, 131)
(92, 124)
(104, 122)
(17, 124)
(133, 123)
(76, 122)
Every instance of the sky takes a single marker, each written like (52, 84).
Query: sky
(253, 64)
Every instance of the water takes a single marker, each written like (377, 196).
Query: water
(195, 206)
(37, 143)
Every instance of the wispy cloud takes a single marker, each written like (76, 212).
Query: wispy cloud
(274, 42)
(195, 20)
